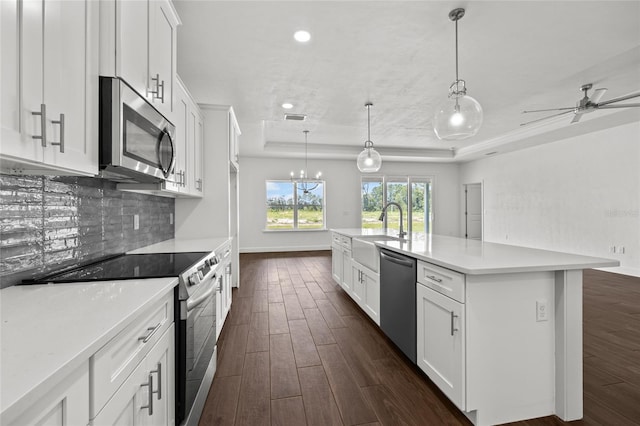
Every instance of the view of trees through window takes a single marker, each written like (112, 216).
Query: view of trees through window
(413, 194)
(293, 205)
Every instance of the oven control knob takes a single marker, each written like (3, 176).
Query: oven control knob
(200, 275)
(194, 279)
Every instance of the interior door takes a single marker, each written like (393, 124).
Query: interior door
(473, 211)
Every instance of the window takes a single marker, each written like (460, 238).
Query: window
(295, 206)
(414, 194)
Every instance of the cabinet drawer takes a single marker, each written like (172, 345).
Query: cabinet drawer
(337, 239)
(115, 361)
(346, 241)
(443, 280)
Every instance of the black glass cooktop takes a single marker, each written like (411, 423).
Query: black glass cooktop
(126, 266)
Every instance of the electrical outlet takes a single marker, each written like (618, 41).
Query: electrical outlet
(542, 309)
(170, 218)
(136, 222)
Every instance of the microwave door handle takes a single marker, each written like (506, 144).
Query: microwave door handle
(166, 170)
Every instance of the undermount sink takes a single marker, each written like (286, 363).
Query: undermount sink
(365, 252)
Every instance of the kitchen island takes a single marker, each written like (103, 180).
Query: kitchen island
(499, 328)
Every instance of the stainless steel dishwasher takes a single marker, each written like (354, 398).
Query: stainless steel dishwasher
(398, 300)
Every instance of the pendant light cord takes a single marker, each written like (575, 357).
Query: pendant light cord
(306, 132)
(456, 21)
(368, 122)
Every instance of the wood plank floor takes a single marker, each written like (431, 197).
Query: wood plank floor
(296, 350)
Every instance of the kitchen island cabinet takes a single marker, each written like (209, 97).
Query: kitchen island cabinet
(499, 328)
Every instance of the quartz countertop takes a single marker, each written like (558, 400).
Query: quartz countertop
(475, 257)
(180, 245)
(47, 331)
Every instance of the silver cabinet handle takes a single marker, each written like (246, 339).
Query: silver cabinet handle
(151, 332)
(61, 123)
(149, 405)
(155, 93)
(161, 89)
(158, 371)
(453, 329)
(199, 184)
(43, 124)
(434, 278)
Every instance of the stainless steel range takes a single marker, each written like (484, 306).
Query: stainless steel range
(199, 280)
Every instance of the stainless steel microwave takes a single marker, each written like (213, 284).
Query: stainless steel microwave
(136, 141)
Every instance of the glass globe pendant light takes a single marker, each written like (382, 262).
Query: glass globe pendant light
(369, 160)
(460, 116)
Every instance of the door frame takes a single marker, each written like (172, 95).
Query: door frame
(464, 208)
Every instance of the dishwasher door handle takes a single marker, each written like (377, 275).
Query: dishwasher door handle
(400, 261)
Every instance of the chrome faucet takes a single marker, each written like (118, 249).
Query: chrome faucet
(401, 234)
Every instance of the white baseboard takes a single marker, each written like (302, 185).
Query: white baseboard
(281, 249)
(623, 270)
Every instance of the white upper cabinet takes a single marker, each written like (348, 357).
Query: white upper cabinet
(50, 87)
(138, 44)
(234, 139)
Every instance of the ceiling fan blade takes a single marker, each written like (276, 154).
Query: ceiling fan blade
(621, 98)
(546, 110)
(547, 117)
(600, 106)
(597, 95)
(577, 118)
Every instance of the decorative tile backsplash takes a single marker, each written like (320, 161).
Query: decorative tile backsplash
(51, 222)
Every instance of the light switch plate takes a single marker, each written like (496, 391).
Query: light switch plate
(542, 310)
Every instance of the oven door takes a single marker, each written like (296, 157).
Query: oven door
(200, 344)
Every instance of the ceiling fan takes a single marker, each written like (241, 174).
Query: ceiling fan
(586, 104)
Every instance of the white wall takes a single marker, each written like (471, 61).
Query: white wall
(578, 195)
(343, 199)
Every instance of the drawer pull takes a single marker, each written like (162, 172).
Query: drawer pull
(434, 278)
(159, 372)
(151, 332)
(453, 329)
(149, 405)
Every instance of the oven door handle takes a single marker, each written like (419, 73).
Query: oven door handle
(192, 304)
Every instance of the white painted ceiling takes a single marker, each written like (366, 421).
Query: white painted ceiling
(514, 55)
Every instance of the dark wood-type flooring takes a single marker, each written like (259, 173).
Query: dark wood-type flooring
(296, 350)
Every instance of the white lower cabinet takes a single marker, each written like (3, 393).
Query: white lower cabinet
(441, 342)
(366, 290)
(346, 271)
(66, 404)
(336, 264)
(147, 395)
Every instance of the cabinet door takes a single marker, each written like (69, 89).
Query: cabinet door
(357, 284)
(66, 404)
(162, 37)
(160, 365)
(198, 153)
(16, 120)
(176, 180)
(441, 342)
(70, 84)
(336, 264)
(22, 85)
(346, 272)
(371, 298)
(132, 47)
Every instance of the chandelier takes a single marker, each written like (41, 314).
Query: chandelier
(303, 182)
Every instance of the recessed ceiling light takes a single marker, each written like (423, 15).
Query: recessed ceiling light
(302, 36)
(287, 105)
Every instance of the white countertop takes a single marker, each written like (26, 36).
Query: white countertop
(177, 245)
(47, 331)
(478, 257)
